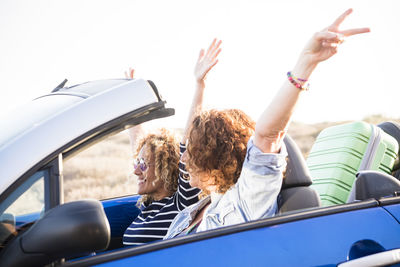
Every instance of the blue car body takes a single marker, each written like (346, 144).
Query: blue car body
(315, 237)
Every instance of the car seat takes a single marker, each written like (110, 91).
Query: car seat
(296, 192)
(393, 129)
(373, 184)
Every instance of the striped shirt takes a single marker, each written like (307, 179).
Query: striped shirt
(153, 222)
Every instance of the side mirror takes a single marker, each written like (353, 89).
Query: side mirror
(75, 228)
(7, 225)
(7, 218)
(374, 184)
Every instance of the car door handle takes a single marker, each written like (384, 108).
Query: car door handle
(378, 259)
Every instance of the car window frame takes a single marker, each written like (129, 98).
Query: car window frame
(54, 193)
(24, 187)
(54, 160)
(42, 174)
(52, 181)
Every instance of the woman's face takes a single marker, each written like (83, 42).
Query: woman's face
(199, 179)
(147, 182)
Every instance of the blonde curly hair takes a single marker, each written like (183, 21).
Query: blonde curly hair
(217, 145)
(164, 146)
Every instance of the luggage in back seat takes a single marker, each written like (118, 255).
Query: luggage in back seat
(339, 152)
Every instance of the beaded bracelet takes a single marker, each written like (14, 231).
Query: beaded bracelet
(295, 81)
(299, 79)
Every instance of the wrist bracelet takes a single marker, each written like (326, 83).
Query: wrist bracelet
(296, 82)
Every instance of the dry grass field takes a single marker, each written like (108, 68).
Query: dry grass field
(102, 171)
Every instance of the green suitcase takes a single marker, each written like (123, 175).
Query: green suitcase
(339, 152)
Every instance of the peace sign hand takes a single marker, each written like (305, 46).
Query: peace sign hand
(324, 44)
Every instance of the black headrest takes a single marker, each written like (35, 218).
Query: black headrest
(374, 184)
(392, 129)
(297, 173)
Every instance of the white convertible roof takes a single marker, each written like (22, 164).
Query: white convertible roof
(34, 131)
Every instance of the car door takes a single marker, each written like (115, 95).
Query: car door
(391, 205)
(38, 183)
(314, 237)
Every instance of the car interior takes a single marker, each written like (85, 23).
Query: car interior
(89, 226)
(296, 193)
(374, 184)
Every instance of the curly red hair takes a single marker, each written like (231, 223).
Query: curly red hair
(217, 145)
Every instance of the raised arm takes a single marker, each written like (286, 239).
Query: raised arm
(130, 74)
(135, 132)
(188, 195)
(272, 125)
(204, 64)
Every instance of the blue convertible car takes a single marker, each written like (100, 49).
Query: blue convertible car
(36, 139)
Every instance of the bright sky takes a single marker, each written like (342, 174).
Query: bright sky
(45, 41)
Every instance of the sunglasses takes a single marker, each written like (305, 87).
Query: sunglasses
(141, 164)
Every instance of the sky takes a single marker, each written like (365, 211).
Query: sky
(45, 41)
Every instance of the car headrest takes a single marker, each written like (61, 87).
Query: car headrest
(392, 129)
(375, 184)
(297, 173)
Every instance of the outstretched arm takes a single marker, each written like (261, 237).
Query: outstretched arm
(130, 74)
(188, 195)
(205, 63)
(135, 132)
(272, 125)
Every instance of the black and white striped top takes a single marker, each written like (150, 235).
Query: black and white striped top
(153, 222)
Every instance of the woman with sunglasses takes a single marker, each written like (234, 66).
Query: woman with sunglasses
(165, 191)
(241, 193)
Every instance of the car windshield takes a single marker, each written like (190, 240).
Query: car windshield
(32, 114)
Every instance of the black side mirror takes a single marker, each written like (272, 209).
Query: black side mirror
(374, 184)
(75, 228)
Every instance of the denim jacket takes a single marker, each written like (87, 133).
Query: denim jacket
(253, 197)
